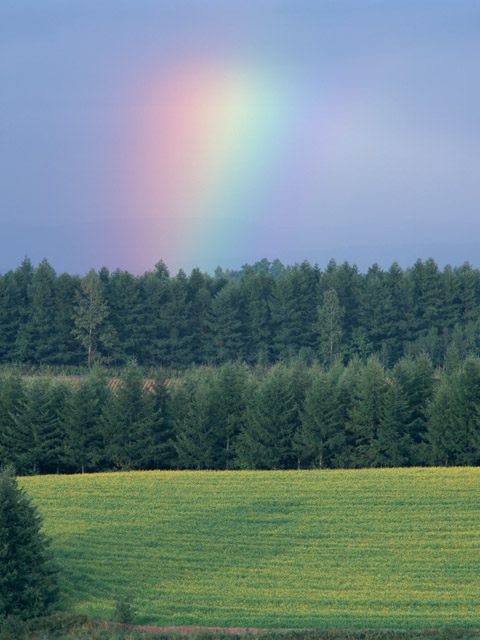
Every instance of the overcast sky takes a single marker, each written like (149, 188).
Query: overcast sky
(206, 132)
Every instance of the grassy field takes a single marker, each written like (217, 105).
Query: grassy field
(368, 548)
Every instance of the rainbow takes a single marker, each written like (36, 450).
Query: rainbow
(227, 160)
(207, 144)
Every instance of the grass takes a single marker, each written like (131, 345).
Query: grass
(373, 549)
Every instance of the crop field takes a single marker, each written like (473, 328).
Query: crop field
(389, 548)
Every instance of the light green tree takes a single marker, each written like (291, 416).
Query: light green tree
(90, 317)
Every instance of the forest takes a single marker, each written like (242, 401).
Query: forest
(270, 367)
(239, 417)
(265, 313)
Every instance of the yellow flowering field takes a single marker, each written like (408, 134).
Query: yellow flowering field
(385, 548)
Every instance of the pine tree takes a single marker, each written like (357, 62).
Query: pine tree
(465, 414)
(318, 426)
(271, 420)
(366, 413)
(129, 422)
(226, 324)
(12, 395)
(39, 428)
(83, 423)
(196, 430)
(229, 385)
(28, 576)
(68, 349)
(40, 330)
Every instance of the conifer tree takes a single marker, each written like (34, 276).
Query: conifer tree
(83, 423)
(129, 422)
(28, 576)
(195, 428)
(366, 413)
(40, 330)
(271, 420)
(318, 420)
(226, 324)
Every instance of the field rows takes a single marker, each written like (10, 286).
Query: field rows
(388, 548)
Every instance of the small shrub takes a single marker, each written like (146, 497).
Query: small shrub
(12, 628)
(124, 610)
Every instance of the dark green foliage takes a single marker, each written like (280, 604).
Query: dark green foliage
(28, 584)
(38, 428)
(398, 348)
(83, 424)
(124, 610)
(131, 423)
(264, 313)
(226, 324)
(320, 435)
(195, 427)
(271, 420)
(365, 415)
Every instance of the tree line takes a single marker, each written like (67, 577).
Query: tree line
(240, 417)
(265, 313)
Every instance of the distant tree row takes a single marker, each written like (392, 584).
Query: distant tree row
(265, 313)
(278, 417)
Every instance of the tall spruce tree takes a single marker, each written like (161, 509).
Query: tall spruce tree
(129, 422)
(196, 430)
(271, 420)
(84, 449)
(366, 414)
(28, 576)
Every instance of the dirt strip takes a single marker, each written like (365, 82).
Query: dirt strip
(185, 631)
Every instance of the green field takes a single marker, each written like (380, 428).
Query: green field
(390, 548)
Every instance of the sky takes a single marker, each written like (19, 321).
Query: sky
(220, 132)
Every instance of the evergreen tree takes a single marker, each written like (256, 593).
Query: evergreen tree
(195, 425)
(40, 331)
(12, 395)
(28, 576)
(123, 296)
(200, 302)
(130, 421)
(154, 295)
(271, 420)
(372, 313)
(293, 309)
(23, 276)
(83, 424)
(416, 379)
(317, 436)
(9, 316)
(465, 415)
(257, 288)
(226, 324)
(176, 313)
(393, 443)
(39, 428)
(67, 349)
(366, 414)
(440, 437)
(229, 387)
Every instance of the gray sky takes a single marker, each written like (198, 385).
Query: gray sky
(221, 132)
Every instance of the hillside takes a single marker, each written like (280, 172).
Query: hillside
(392, 548)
